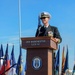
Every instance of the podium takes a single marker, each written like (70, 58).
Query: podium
(39, 55)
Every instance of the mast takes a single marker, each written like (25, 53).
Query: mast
(19, 14)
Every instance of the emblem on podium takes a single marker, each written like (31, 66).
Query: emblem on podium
(36, 63)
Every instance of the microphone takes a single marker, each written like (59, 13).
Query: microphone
(39, 27)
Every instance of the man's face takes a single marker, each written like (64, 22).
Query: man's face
(45, 20)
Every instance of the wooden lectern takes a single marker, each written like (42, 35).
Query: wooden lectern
(39, 55)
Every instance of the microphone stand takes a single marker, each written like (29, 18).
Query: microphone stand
(39, 27)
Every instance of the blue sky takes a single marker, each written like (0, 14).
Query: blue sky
(63, 17)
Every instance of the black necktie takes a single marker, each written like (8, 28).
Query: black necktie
(45, 29)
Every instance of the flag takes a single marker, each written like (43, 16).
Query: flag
(39, 26)
(6, 63)
(66, 66)
(39, 22)
(26, 63)
(13, 63)
(73, 73)
(57, 62)
(25, 69)
(2, 53)
(7, 60)
(1, 59)
(20, 69)
(1, 56)
(63, 61)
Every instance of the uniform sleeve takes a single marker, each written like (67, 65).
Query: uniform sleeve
(57, 34)
(37, 32)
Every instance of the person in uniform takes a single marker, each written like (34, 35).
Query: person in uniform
(47, 29)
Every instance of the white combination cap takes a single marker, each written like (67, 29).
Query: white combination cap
(45, 14)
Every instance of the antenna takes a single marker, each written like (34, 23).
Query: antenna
(19, 14)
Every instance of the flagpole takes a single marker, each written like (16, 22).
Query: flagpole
(19, 14)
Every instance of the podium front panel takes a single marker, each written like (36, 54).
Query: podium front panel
(44, 66)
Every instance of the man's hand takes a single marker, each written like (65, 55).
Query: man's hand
(57, 40)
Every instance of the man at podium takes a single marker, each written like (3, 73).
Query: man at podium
(47, 29)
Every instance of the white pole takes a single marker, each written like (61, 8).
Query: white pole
(19, 13)
(74, 57)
